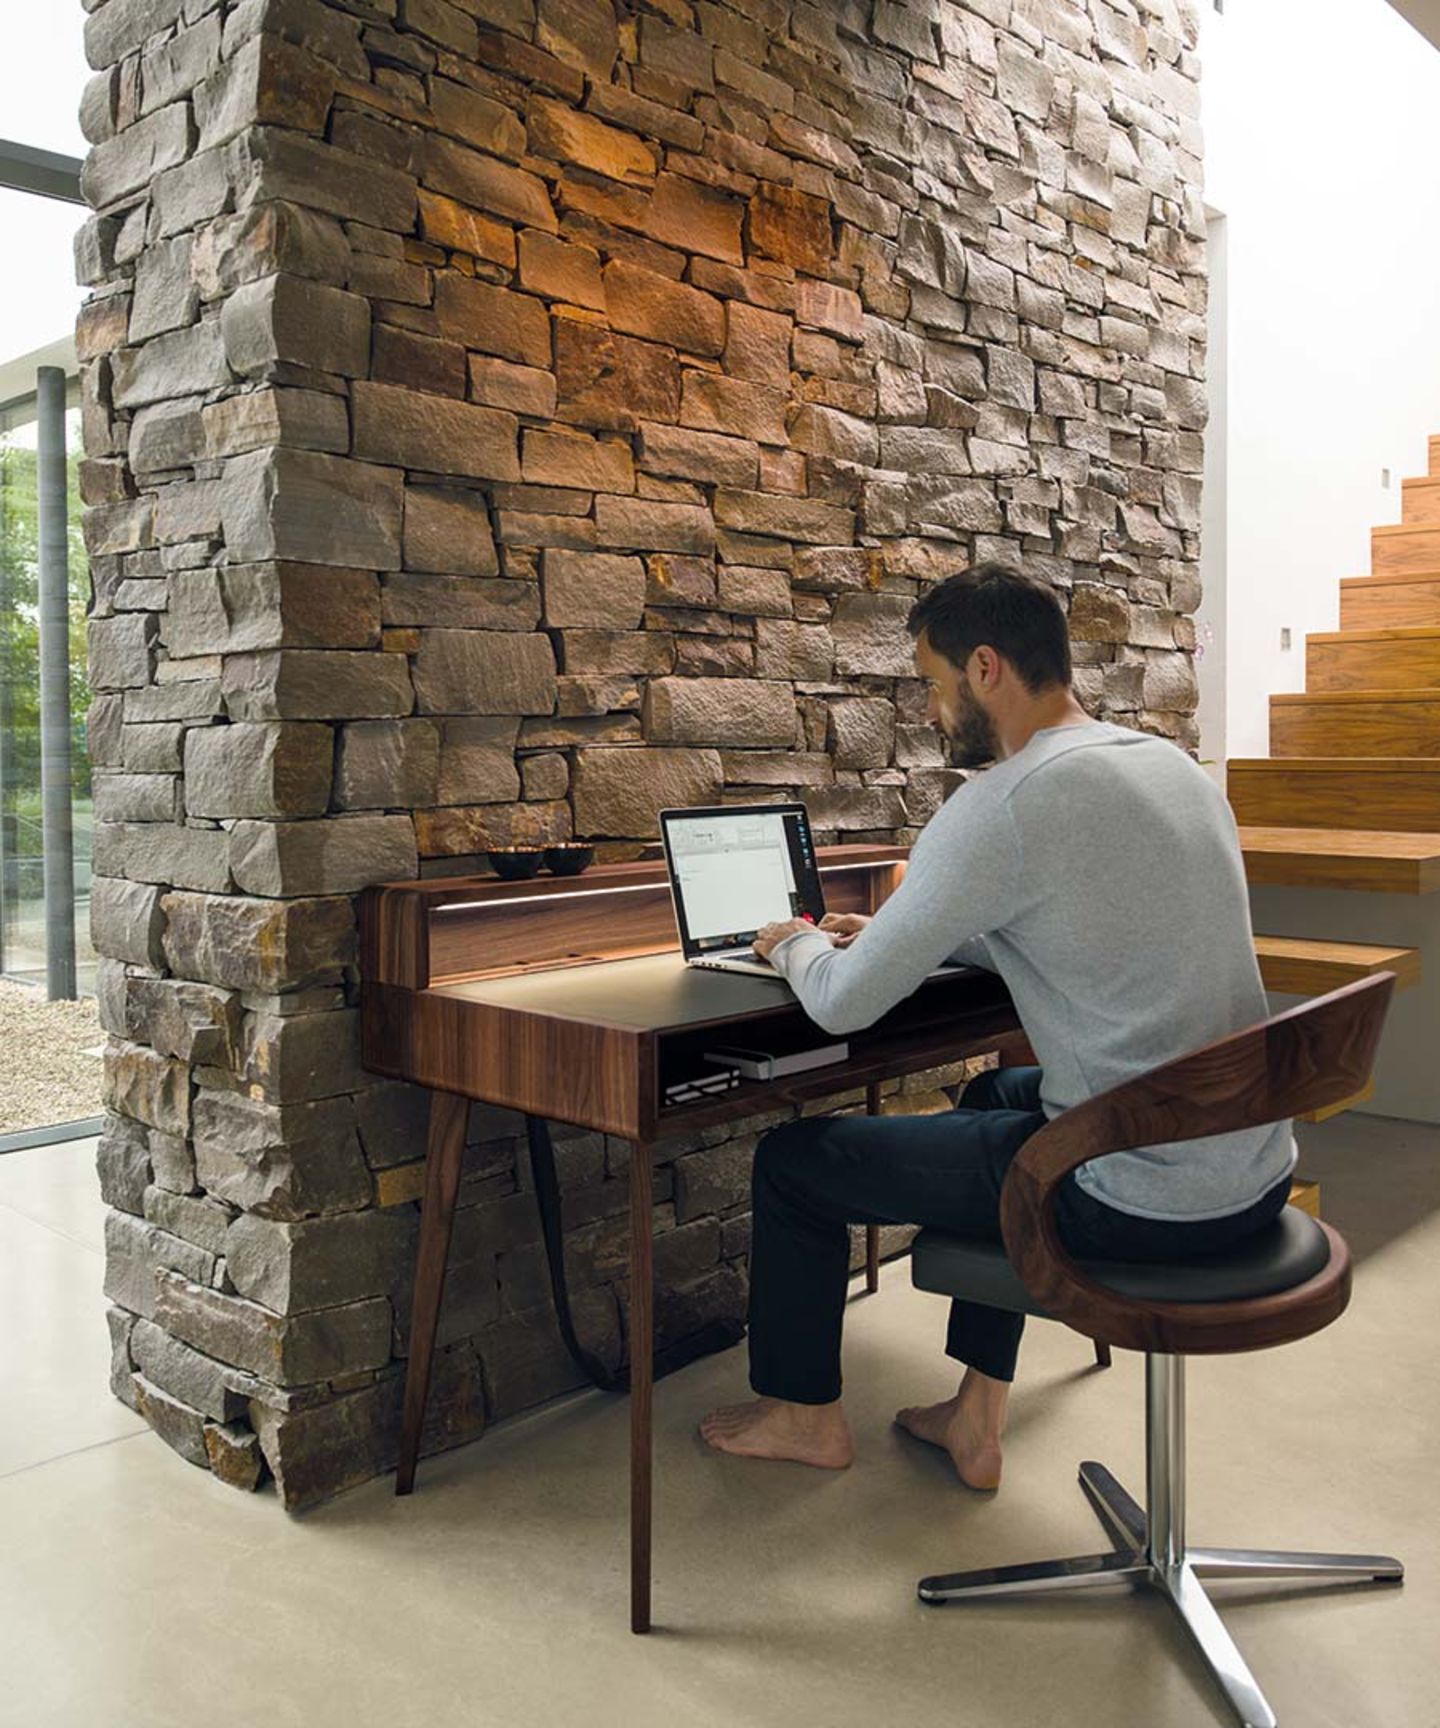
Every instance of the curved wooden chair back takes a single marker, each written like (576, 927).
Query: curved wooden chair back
(1316, 1055)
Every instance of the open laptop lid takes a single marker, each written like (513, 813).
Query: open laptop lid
(736, 867)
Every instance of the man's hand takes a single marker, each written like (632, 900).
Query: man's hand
(843, 927)
(772, 935)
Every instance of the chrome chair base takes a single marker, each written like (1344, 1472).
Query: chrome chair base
(1130, 1563)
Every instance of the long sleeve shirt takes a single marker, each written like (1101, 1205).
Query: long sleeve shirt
(1098, 871)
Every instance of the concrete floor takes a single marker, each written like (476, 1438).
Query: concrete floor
(137, 1592)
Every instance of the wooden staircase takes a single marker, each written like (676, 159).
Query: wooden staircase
(1349, 796)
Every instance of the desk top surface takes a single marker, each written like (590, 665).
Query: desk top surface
(656, 992)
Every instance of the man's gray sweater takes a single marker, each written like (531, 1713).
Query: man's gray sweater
(1098, 872)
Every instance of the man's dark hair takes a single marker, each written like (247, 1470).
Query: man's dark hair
(995, 607)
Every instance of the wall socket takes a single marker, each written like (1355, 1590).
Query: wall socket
(1284, 635)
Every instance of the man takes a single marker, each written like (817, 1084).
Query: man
(1097, 870)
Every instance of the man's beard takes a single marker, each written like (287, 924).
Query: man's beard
(974, 740)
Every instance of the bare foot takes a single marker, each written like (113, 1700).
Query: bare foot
(960, 1427)
(771, 1428)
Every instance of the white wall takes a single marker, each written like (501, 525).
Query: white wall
(1322, 119)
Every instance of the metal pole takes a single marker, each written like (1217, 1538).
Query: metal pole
(55, 788)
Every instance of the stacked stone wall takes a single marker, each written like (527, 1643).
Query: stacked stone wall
(505, 418)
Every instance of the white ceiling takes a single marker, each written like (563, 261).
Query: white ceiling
(1423, 14)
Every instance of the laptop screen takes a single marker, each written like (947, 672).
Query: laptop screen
(737, 868)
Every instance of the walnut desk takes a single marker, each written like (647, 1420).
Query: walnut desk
(566, 998)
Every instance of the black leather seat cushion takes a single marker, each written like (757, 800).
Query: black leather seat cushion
(1276, 1258)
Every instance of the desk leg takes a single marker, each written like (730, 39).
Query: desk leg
(642, 1378)
(872, 1231)
(444, 1155)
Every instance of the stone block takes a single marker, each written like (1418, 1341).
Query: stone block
(191, 1218)
(791, 226)
(447, 529)
(567, 135)
(134, 797)
(640, 523)
(825, 431)
(283, 1161)
(434, 434)
(594, 590)
(716, 1179)
(249, 769)
(283, 1350)
(258, 944)
(807, 519)
(522, 389)
(463, 830)
(265, 239)
(286, 166)
(477, 761)
(247, 607)
(193, 1023)
(558, 270)
(181, 363)
(444, 222)
(755, 593)
(122, 651)
(308, 507)
(151, 1088)
(642, 303)
(277, 321)
(185, 1372)
(172, 1162)
(460, 112)
(337, 856)
(235, 1456)
(138, 1252)
(621, 792)
(787, 649)
(322, 1263)
(419, 363)
(160, 851)
(613, 381)
(824, 306)
(730, 711)
(132, 158)
(482, 183)
(871, 638)
(180, 1427)
(618, 652)
(122, 1163)
(712, 403)
(268, 82)
(460, 603)
(126, 922)
(1098, 614)
(166, 295)
(470, 672)
(166, 435)
(387, 764)
(757, 344)
(314, 684)
(574, 459)
(695, 217)
(706, 456)
(302, 419)
(862, 732)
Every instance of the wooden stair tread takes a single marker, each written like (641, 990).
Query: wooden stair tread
(1353, 858)
(1427, 765)
(1392, 633)
(1303, 966)
(1391, 578)
(1418, 693)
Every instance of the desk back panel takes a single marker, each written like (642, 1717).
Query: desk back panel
(420, 934)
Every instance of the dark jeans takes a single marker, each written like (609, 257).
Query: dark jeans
(815, 1178)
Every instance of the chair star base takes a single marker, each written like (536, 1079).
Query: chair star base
(1151, 1550)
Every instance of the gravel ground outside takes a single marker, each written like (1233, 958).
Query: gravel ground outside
(50, 1067)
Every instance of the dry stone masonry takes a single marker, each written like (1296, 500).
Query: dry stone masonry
(505, 418)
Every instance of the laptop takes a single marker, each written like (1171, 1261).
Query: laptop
(733, 869)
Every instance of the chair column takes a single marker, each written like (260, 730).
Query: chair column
(1165, 1459)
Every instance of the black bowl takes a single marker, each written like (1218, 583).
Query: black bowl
(568, 860)
(514, 863)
